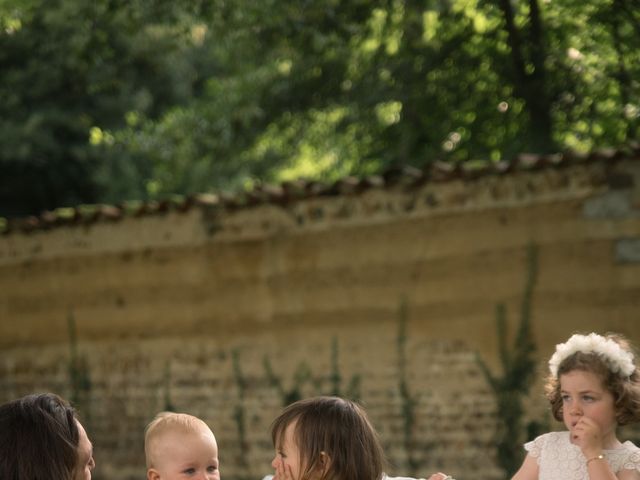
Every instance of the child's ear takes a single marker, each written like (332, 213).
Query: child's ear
(324, 464)
(153, 474)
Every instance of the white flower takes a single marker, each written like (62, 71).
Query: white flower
(618, 360)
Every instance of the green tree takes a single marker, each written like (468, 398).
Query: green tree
(118, 100)
(68, 66)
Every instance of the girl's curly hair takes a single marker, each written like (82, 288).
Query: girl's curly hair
(626, 391)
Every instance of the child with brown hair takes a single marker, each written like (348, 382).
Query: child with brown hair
(593, 386)
(327, 438)
(178, 446)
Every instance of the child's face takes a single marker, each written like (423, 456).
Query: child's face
(583, 394)
(192, 455)
(286, 463)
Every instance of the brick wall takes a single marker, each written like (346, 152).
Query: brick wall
(183, 309)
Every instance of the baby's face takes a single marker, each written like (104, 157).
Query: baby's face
(188, 456)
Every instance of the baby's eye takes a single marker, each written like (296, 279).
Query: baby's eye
(189, 471)
(212, 468)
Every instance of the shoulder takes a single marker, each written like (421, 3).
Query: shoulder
(546, 441)
(632, 456)
(630, 446)
(625, 461)
(552, 437)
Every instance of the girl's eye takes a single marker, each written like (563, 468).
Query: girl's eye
(565, 398)
(588, 398)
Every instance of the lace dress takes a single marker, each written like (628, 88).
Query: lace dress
(559, 459)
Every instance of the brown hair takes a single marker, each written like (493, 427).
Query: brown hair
(38, 438)
(625, 391)
(340, 429)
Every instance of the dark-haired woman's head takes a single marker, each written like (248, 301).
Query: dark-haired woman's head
(40, 437)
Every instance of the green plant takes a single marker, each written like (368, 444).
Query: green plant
(407, 399)
(303, 375)
(300, 377)
(353, 388)
(518, 367)
(239, 410)
(79, 377)
(168, 404)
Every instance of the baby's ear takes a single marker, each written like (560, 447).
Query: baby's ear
(153, 474)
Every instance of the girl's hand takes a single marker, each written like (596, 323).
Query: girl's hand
(440, 476)
(587, 435)
(283, 472)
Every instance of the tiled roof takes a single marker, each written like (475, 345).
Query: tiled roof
(288, 192)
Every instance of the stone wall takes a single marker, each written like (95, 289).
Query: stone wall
(229, 313)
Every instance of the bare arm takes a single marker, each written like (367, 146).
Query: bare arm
(528, 469)
(628, 475)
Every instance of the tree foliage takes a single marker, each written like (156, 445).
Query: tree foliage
(112, 100)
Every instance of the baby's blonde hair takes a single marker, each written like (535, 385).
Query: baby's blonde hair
(165, 422)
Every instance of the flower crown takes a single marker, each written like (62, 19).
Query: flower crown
(618, 360)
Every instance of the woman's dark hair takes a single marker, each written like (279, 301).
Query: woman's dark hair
(337, 428)
(38, 438)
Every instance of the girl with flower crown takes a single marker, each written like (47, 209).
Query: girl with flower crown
(593, 386)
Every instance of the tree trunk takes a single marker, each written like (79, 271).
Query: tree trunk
(622, 75)
(530, 83)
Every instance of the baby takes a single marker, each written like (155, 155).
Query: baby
(177, 446)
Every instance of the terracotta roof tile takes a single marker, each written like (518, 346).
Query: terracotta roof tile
(110, 212)
(472, 170)
(289, 192)
(373, 181)
(444, 171)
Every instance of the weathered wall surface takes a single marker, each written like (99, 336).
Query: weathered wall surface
(190, 309)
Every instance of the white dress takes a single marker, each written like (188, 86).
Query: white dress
(559, 459)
